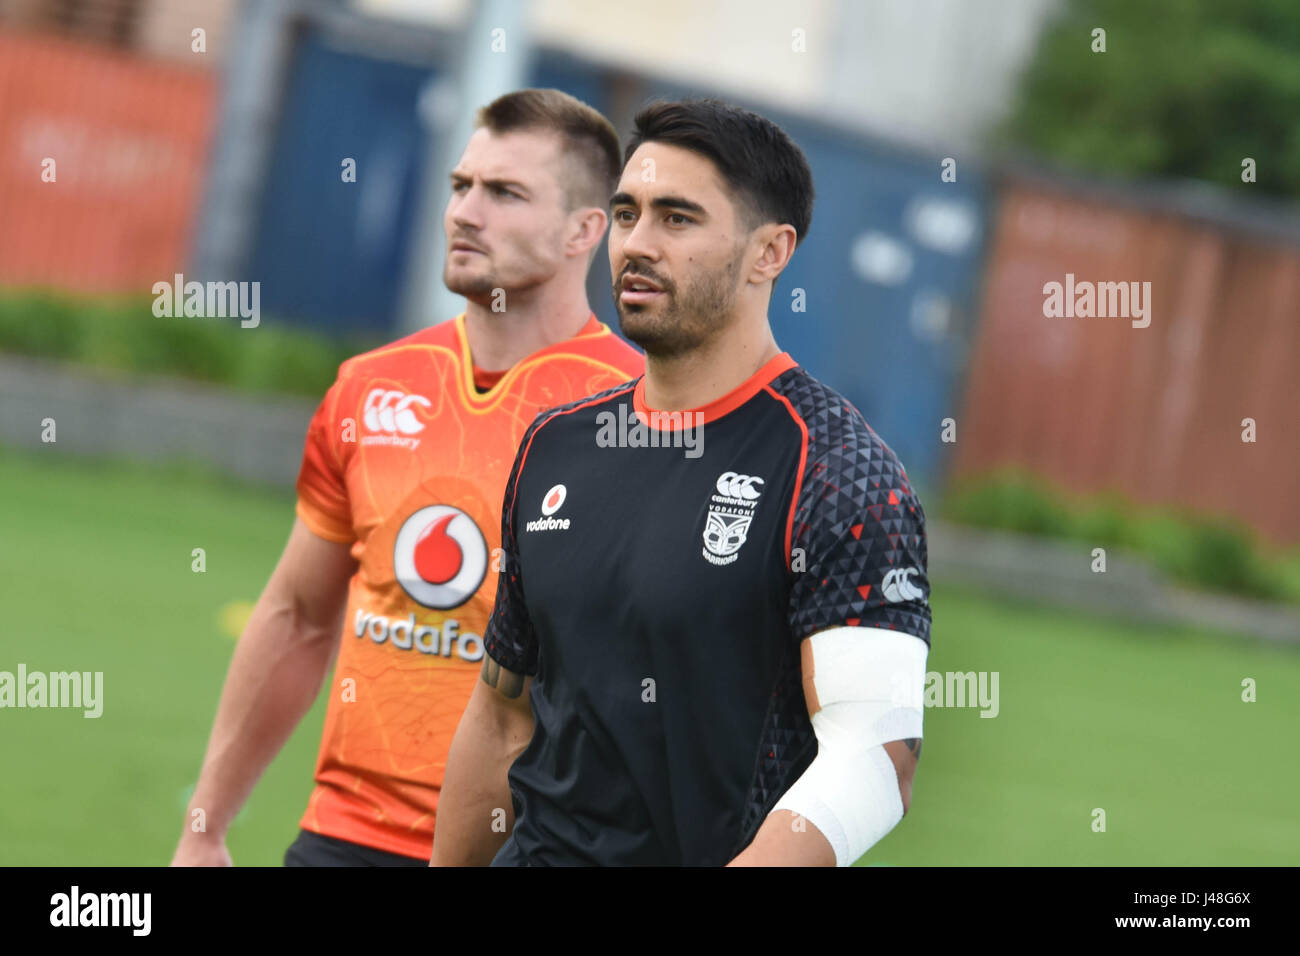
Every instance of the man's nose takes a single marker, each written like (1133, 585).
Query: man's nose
(639, 242)
(468, 211)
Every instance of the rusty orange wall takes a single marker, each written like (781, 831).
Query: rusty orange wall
(129, 138)
(1095, 404)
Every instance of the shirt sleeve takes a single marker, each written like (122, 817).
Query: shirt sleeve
(858, 550)
(323, 502)
(509, 638)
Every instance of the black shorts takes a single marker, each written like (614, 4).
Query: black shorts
(312, 849)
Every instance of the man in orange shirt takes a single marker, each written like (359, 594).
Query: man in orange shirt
(399, 501)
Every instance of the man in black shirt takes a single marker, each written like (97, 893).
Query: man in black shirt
(709, 639)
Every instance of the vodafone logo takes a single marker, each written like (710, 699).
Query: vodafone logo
(389, 410)
(732, 485)
(553, 499)
(551, 502)
(440, 557)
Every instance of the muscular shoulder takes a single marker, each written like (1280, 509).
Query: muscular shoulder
(848, 467)
(608, 349)
(580, 412)
(442, 335)
(857, 521)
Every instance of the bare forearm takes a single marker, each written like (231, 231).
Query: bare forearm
(475, 812)
(785, 839)
(275, 674)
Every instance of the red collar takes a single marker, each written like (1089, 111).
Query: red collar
(670, 421)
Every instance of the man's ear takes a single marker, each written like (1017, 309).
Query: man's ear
(586, 228)
(776, 248)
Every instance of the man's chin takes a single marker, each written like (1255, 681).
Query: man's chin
(476, 288)
(649, 316)
(636, 324)
(652, 336)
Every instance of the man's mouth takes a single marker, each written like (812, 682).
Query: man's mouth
(460, 245)
(636, 290)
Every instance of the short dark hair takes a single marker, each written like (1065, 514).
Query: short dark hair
(766, 171)
(586, 136)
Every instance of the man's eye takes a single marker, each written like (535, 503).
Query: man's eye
(459, 187)
(623, 215)
(503, 191)
(677, 219)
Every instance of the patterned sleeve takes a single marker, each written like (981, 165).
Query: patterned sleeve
(859, 538)
(510, 639)
(322, 491)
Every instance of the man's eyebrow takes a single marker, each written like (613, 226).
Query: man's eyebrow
(506, 183)
(660, 202)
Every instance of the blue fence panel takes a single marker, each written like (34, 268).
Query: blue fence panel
(886, 278)
(590, 84)
(889, 270)
(573, 76)
(328, 252)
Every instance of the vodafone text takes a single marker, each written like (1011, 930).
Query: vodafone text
(403, 633)
(552, 501)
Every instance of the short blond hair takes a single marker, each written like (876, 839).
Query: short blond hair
(586, 137)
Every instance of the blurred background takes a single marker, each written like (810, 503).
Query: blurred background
(1114, 515)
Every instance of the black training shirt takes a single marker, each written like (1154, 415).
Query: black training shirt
(657, 583)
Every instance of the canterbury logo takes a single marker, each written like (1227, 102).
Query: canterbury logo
(898, 586)
(390, 411)
(732, 485)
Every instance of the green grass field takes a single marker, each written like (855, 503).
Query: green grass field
(1147, 725)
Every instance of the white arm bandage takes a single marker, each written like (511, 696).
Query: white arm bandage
(864, 687)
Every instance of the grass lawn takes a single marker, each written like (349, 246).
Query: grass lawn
(1145, 724)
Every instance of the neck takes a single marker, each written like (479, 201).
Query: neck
(532, 321)
(708, 372)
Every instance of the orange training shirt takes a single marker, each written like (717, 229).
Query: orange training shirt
(406, 461)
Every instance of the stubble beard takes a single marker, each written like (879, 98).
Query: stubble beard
(688, 319)
(473, 286)
(528, 271)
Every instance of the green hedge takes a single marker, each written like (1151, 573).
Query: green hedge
(122, 333)
(1203, 551)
